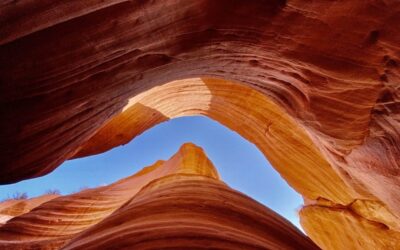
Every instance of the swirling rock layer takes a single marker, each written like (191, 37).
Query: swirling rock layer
(338, 222)
(181, 204)
(191, 212)
(270, 128)
(328, 69)
(13, 207)
(53, 223)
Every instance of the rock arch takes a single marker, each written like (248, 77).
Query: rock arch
(247, 111)
(291, 149)
(330, 68)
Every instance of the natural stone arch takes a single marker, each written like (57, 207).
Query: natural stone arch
(279, 137)
(68, 67)
(283, 140)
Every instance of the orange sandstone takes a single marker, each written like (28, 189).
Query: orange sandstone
(13, 207)
(314, 84)
(182, 203)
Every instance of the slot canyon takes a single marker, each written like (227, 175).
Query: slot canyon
(313, 84)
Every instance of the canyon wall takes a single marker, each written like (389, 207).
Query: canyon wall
(314, 84)
(11, 207)
(179, 203)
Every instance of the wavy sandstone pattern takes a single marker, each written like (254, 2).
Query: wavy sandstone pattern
(12, 208)
(57, 221)
(314, 84)
(167, 209)
(170, 214)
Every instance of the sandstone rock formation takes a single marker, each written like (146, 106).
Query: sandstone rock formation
(314, 84)
(179, 203)
(13, 207)
(55, 222)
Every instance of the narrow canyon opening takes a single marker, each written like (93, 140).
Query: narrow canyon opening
(292, 148)
(314, 85)
(240, 164)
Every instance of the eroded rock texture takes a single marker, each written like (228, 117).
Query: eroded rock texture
(271, 129)
(314, 84)
(180, 203)
(13, 207)
(55, 222)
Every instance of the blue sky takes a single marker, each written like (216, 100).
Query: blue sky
(240, 164)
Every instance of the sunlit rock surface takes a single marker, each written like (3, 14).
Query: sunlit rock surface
(314, 84)
(344, 228)
(180, 203)
(57, 221)
(14, 207)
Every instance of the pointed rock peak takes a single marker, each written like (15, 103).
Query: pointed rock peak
(191, 159)
(150, 168)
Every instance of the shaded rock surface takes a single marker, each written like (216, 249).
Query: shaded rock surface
(70, 70)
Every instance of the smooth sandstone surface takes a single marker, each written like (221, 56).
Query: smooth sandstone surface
(170, 214)
(365, 233)
(180, 203)
(13, 207)
(270, 128)
(314, 84)
(57, 221)
(16, 207)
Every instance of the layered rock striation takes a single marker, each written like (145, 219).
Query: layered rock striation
(287, 146)
(180, 203)
(57, 221)
(14, 207)
(314, 84)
